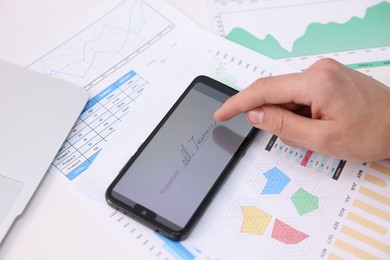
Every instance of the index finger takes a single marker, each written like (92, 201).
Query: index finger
(277, 90)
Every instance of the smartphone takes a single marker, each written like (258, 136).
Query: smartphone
(168, 183)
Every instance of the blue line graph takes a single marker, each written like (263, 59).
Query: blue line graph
(105, 45)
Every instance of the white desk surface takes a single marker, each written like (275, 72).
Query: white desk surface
(56, 225)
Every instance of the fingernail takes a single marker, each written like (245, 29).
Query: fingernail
(256, 116)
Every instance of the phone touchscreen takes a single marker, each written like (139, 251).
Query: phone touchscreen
(178, 166)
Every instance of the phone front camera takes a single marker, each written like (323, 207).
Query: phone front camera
(144, 212)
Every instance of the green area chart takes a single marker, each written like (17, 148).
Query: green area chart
(372, 31)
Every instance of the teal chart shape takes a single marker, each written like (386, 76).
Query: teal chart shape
(304, 201)
(371, 31)
(276, 181)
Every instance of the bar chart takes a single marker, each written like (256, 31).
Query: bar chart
(363, 230)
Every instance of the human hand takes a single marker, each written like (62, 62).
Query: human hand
(328, 108)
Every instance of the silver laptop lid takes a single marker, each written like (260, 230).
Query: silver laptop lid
(36, 114)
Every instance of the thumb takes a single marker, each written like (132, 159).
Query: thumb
(287, 125)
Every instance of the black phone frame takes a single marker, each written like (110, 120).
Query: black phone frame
(146, 216)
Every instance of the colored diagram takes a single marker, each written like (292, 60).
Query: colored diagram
(276, 181)
(276, 209)
(304, 201)
(287, 234)
(255, 220)
(267, 179)
(370, 32)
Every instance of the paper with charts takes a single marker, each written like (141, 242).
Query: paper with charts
(356, 33)
(135, 58)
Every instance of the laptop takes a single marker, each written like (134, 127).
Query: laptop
(36, 114)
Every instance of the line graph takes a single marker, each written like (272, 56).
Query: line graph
(258, 16)
(101, 57)
(105, 45)
(357, 33)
